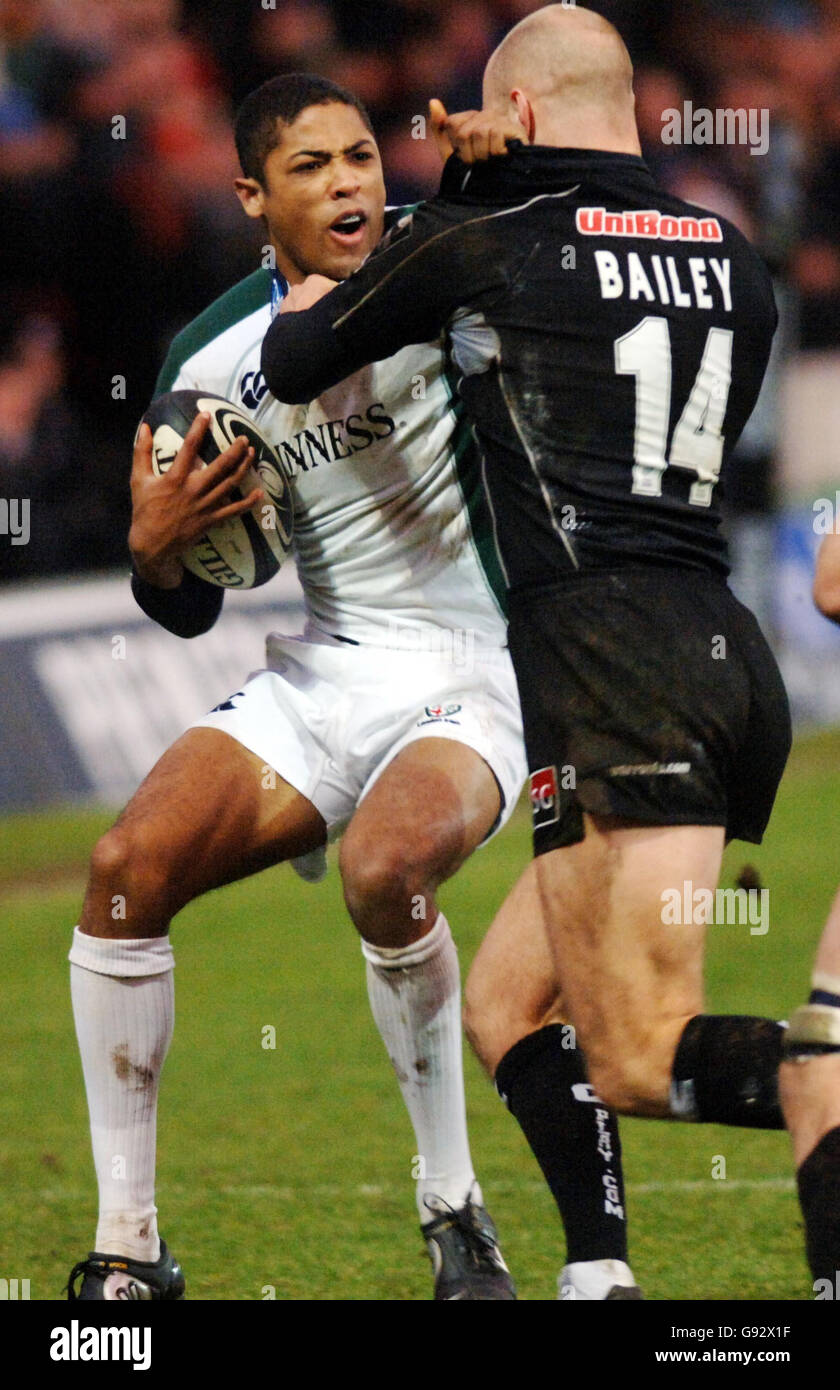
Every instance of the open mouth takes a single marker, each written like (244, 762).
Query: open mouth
(349, 229)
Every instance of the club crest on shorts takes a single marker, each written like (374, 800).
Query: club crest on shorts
(543, 793)
(437, 713)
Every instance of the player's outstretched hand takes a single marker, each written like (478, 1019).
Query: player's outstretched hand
(170, 512)
(472, 135)
(307, 293)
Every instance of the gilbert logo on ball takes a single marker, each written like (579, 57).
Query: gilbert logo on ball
(244, 551)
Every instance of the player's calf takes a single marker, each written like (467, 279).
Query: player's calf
(202, 817)
(632, 1072)
(723, 1070)
(633, 979)
(810, 1087)
(511, 989)
(810, 1076)
(511, 999)
(493, 1024)
(429, 809)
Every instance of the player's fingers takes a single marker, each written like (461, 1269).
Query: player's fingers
(222, 489)
(459, 126)
(480, 144)
(438, 119)
(222, 467)
(142, 457)
(489, 137)
(236, 508)
(465, 146)
(462, 130)
(476, 135)
(186, 455)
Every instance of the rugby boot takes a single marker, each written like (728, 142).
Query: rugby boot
(466, 1259)
(114, 1277)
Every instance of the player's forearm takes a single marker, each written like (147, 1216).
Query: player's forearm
(404, 294)
(301, 355)
(187, 611)
(164, 573)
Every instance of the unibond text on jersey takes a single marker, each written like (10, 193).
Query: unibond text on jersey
(651, 223)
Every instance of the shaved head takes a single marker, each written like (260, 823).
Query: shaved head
(567, 69)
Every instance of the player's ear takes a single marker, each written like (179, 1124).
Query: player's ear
(251, 195)
(523, 111)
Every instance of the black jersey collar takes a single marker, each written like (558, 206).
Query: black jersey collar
(528, 170)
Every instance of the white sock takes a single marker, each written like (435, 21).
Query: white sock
(123, 1004)
(415, 997)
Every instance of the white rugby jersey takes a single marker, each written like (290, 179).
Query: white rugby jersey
(392, 528)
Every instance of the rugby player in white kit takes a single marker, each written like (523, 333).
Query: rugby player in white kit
(394, 717)
(399, 699)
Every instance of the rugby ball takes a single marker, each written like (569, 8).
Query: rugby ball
(243, 551)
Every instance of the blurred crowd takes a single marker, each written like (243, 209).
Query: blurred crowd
(118, 221)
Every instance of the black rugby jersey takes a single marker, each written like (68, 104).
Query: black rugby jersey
(611, 342)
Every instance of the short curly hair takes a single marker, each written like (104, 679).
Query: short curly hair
(281, 99)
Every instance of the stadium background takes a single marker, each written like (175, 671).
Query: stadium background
(109, 245)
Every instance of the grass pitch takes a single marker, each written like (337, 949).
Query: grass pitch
(286, 1172)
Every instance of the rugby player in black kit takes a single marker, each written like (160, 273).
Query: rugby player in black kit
(611, 341)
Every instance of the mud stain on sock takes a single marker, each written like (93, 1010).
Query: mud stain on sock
(129, 1071)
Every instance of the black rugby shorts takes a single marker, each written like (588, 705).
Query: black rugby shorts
(651, 694)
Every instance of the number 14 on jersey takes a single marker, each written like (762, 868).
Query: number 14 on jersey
(697, 443)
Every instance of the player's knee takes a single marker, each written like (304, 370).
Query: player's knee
(127, 862)
(111, 858)
(382, 880)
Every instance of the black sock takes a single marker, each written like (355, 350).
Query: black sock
(574, 1138)
(823, 996)
(818, 1180)
(726, 1071)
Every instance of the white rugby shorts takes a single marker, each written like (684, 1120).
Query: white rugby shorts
(329, 716)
